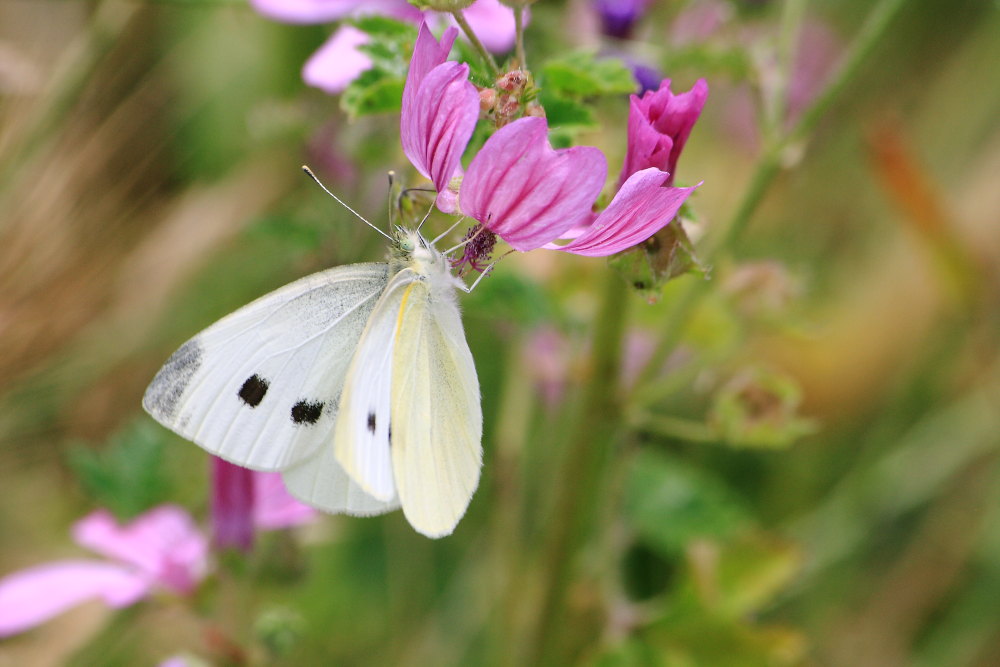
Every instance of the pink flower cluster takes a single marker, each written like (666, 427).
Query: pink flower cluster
(524, 191)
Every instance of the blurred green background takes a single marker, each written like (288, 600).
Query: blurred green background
(810, 476)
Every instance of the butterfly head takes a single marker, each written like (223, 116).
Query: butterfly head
(412, 249)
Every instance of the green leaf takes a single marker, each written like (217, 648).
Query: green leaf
(666, 255)
(583, 74)
(385, 28)
(670, 504)
(565, 113)
(380, 88)
(126, 476)
(375, 91)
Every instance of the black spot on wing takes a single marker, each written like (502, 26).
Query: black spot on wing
(165, 391)
(371, 423)
(307, 412)
(389, 435)
(253, 390)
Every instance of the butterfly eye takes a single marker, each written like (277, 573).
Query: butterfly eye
(407, 245)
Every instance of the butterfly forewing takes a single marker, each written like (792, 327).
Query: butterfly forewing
(362, 434)
(261, 387)
(437, 421)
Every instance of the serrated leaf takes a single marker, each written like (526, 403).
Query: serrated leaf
(583, 74)
(376, 25)
(666, 255)
(375, 91)
(126, 476)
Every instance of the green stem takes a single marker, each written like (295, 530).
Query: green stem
(579, 480)
(768, 167)
(788, 37)
(867, 39)
(474, 40)
(522, 59)
(674, 427)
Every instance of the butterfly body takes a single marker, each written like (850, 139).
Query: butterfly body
(356, 383)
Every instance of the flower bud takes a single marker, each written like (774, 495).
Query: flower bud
(487, 99)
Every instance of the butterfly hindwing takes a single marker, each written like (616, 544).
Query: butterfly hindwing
(437, 421)
(321, 482)
(261, 386)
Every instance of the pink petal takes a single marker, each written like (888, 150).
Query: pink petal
(493, 23)
(274, 507)
(232, 505)
(642, 207)
(528, 193)
(428, 53)
(439, 113)
(437, 123)
(33, 596)
(305, 11)
(338, 61)
(659, 125)
(163, 543)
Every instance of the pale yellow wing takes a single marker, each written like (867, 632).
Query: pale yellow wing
(437, 422)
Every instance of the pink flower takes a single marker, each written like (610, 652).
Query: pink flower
(521, 189)
(659, 124)
(244, 499)
(161, 548)
(526, 192)
(644, 205)
(338, 62)
(440, 109)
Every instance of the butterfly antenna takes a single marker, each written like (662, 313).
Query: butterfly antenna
(448, 231)
(340, 201)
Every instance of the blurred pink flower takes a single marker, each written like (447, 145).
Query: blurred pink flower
(243, 500)
(548, 355)
(338, 61)
(161, 548)
(659, 124)
(440, 109)
(522, 190)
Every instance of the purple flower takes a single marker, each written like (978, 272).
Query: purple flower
(440, 109)
(243, 500)
(338, 61)
(521, 189)
(160, 549)
(618, 16)
(659, 124)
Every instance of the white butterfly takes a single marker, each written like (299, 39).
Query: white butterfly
(356, 383)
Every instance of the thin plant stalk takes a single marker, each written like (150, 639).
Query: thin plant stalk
(522, 58)
(474, 40)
